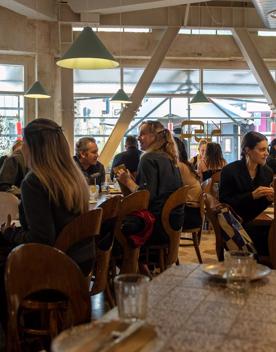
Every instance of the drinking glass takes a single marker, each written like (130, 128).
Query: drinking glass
(93, 191)
(240, 267)
(131, 296)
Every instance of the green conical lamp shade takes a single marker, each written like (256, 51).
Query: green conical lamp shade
(200, 97)
(121, 97)
(87, 53)
(37, 92)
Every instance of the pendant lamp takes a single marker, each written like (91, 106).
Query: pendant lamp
(36, 91)
(121, 96)
(200, 98)
(87, 53)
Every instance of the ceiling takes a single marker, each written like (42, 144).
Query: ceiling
(48, 9)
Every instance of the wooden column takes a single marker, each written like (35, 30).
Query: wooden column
(138, 94)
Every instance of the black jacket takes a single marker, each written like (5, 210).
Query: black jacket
(93, 169)
(41, 219)
(130, 158)
(236, 187)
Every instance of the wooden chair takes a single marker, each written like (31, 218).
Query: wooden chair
(36, 268)
(81, 229)
(168, 253)
(136, 201)
(212, 206)
(101, 271)
(8, 205)
(196, 232)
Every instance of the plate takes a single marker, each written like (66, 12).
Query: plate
(218, 271)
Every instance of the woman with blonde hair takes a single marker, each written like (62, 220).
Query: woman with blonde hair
(157, 172)
(53, 192)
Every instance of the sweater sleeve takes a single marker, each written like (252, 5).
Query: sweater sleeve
(228, 190)
(38, 214)
(147, 177)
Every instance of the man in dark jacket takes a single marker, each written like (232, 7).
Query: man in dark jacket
(130, 158)
(87, 159)
(13, 172)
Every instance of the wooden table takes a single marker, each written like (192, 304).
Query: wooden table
(103, 196)
(193, 313)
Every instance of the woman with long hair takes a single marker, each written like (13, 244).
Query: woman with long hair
(157, 172)
(212, 162)
(53, 192)
(245, 186)
(195, 160)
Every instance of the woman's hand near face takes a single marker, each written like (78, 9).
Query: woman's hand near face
(262, 191)
(125, 178)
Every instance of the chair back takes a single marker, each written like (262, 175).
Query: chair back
(211, 184)
(211, 206)
(110, 211)
(8, 205)
(77, 239)
(33, 268)
(135, 201)
(177, 198)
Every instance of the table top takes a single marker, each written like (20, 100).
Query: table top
(192, 312)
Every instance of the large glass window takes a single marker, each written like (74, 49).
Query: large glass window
(11, 105)
(237, 105)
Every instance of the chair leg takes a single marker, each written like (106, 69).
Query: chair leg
(195, 241)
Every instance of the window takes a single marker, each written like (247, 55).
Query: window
(11, 105)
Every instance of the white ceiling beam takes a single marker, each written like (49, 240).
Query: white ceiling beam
(119, 6)
(44, 10)
(256, 64)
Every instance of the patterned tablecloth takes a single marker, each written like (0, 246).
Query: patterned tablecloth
(192, 312)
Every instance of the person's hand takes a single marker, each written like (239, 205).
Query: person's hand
(262, 191)
(123, 176)
(7, 224)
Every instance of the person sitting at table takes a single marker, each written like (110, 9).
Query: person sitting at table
(130, 157)
(52, 194)
(157, 172)
(195, 160)
(245, 186)
(212, 162)
(271, 160)
(87, 159)
(13, 170)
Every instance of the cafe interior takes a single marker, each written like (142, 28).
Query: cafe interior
(205, 70)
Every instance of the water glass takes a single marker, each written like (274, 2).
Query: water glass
(239, 270)
(131, 295)
(93, 192)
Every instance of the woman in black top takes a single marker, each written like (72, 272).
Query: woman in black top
(157, 172)
(53, 192)
(246, 185)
